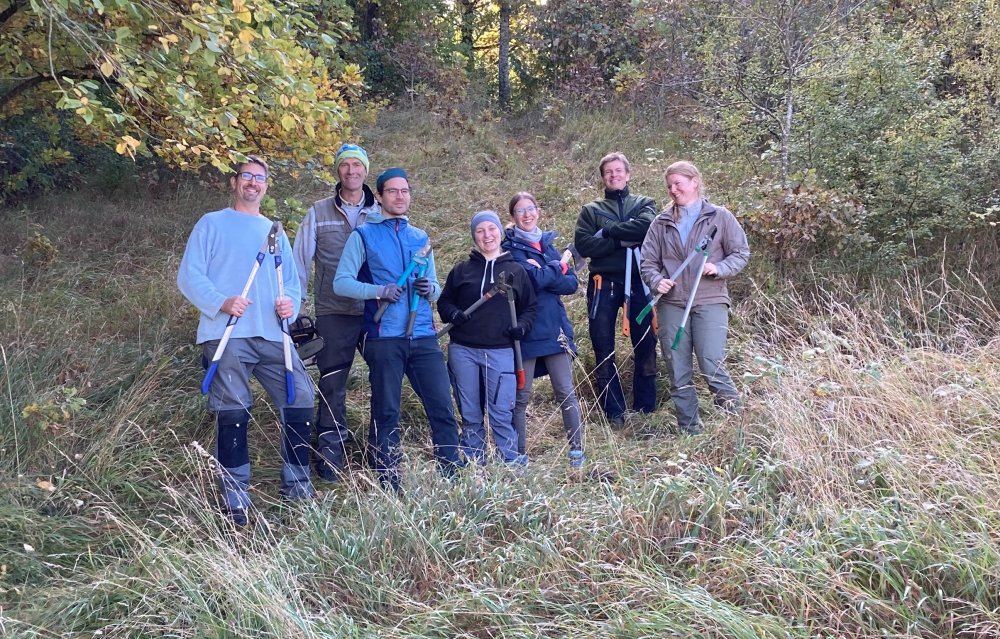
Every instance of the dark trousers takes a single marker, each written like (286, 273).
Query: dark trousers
(342, 337)
(602, 325)
(422, 361)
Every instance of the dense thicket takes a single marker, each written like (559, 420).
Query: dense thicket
(847, 124)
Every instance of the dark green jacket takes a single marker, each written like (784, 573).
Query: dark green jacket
(626, 217)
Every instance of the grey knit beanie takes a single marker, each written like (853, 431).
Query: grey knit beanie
(484, 216)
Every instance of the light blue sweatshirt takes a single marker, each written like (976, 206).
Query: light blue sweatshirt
(217, 262)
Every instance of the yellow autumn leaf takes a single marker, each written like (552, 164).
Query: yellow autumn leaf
(287, 122)
(284, 100)
(45, 484)
(107, 68)
(246, 36)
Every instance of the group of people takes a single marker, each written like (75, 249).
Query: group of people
(375, 286)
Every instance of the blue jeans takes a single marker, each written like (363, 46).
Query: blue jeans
(484, 377)
(602, 335)
(422, 361)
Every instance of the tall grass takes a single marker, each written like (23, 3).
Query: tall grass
(856, 496)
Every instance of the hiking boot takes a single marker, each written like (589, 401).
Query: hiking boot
(576, 459)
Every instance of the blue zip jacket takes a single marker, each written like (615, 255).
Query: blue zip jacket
(550, 283)
(376, 254)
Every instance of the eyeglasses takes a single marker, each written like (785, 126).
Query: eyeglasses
(393, 192)
(525, 210)
(252, 177)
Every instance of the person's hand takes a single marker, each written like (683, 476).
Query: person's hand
(390, 292)
(458, 317)
(284, 307)
(515, 332)
(710, 269)
(422, 286)
(235, 305)
(532, 261)
(664, 286)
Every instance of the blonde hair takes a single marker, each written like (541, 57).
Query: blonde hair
(688, 170)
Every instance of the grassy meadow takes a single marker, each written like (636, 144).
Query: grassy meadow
(858, 495)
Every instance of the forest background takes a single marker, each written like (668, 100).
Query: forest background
(856, 141)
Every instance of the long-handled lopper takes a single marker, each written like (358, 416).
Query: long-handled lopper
(418, 258)
(701, 247)
(505, 287)
(472, 307)
(286, 337)
(214, 366)
(645, 289)
(694, 289)
(626, 330)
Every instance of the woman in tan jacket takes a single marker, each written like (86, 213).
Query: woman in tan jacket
(673, 236)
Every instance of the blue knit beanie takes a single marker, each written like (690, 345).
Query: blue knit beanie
(484, 216)
(350, 151)
(387, 175)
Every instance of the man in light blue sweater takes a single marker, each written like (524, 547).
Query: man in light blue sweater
(217, 261)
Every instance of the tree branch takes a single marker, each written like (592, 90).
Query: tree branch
(31, 83)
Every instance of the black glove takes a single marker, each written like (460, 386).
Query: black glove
(516, 332)
(458, 317)
(422, 286)
(390, 292)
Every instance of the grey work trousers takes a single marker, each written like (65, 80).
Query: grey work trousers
(705, 338)
(560, 367)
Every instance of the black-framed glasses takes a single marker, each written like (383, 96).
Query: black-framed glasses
(531, 208)
(252, 177)
(392, 191)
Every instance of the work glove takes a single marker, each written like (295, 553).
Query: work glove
(516, 332)
(390, 292)
(422, 286)
(458, 317)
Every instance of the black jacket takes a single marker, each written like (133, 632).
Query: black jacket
(467, 282)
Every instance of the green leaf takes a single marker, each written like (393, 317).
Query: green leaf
(195, 44)
(287, 122)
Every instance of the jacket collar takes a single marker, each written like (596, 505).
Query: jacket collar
(367, 201)
(617, 194)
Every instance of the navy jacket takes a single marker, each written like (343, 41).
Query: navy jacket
(550, 283)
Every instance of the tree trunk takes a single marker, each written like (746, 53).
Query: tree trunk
(467, 26)
(503, 61)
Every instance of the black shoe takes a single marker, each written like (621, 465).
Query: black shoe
(617, 422)
(237, 517)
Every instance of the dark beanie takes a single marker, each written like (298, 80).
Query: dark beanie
(387, 175)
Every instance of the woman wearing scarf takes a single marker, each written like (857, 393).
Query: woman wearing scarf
(548, 347)
(480, 354)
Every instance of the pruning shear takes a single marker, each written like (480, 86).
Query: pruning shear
(420, 257)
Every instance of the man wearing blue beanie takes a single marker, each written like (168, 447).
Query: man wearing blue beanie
(320, 239)
(402, 340)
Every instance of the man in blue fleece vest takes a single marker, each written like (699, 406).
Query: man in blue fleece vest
(217, 261)
(403, 339)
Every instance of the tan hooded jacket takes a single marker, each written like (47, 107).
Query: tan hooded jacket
(663, 253)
